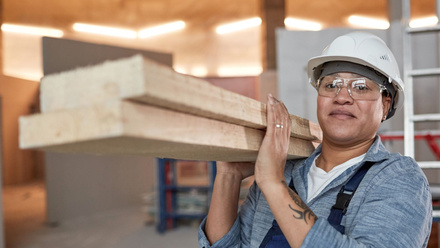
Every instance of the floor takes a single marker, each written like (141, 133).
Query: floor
(25, 226)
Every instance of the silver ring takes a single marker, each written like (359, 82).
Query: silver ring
(279, 126)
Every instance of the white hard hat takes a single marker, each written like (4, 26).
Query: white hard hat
(364, 49)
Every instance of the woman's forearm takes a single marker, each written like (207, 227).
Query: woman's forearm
(293, 216)
(224, 205)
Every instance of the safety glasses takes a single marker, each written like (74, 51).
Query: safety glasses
(358, 88)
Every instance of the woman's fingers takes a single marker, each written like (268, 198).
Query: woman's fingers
(278, 126)
(270, 115)
(278, 118)
(273, 151)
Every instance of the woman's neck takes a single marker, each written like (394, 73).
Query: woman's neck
(333, 154)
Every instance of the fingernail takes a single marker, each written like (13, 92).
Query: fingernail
(270, 98)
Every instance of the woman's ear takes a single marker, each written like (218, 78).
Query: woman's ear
(386, 104)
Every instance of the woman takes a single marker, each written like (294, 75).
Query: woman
(350, 192)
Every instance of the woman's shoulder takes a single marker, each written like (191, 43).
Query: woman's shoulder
(399, 163)
(399, 168)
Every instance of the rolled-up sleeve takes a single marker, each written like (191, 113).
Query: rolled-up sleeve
(240, 233)
(231, 239)
(395, 212)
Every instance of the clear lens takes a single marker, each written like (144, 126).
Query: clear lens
(358, 88)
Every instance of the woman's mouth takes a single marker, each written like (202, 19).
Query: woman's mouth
(342, 114)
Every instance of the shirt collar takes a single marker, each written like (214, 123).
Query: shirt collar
(377, 152)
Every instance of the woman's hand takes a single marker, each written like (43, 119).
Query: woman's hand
(272, 156)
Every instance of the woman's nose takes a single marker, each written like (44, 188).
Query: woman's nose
(343, 95)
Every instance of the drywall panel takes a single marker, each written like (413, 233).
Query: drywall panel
(81, 185)
(63, 54)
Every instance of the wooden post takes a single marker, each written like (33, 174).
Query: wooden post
(272, 14)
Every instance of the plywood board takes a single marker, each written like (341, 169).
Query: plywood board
(148, 82)
(126, 127)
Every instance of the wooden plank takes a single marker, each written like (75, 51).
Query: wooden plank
(126, 127)
(146, 81)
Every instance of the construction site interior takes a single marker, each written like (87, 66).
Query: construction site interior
(77, 195)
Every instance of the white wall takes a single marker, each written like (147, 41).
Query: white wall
(295, 48)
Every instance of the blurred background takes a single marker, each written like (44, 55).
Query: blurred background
(252, 47)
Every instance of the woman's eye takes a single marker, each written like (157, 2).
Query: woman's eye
(333, 84)
(330, 85)
(359, 86)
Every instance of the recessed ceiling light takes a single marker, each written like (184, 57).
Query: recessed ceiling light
(368, 22)
(235, 71)
(161, 29)
(102, 30)
(199, 71)
(424, 22)
(180, 69)
(32, 30)
(300, 24)
(237, 26)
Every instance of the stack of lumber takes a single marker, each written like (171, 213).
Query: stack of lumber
(137, 106)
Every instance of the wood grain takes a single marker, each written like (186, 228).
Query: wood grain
(148, 82)
(126, 127)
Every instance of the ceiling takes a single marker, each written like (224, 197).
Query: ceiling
(334, 13)
(199, 14)
(197, 47)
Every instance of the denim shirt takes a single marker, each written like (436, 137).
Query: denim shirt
(392, 207)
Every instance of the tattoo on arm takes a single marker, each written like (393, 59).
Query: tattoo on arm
(304, 213)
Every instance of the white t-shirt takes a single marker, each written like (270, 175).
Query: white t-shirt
(318, 179)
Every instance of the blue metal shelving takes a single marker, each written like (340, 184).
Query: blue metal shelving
(167, 194)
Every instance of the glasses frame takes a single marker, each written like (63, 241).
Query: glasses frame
(346, 83)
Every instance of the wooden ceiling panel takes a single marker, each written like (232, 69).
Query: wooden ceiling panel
(421, 8)
(334, 13)
(197, 44)
(200, 13)
(129, 13)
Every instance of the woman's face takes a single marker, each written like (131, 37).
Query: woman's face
(346, 121)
